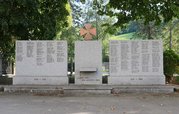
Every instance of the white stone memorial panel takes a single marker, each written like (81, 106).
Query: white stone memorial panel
(41, 62)
(136, 62)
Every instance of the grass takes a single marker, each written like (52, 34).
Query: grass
(122, 37)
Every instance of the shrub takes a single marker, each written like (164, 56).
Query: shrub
(71, 79)
(177, 80)
(5, 80)
(177, 69)
(171, 61)
(104, 79)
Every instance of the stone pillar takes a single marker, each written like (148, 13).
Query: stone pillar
(88, 62)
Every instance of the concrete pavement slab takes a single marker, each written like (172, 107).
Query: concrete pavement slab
(133, 103)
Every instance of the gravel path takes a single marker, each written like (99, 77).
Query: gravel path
(90, 104)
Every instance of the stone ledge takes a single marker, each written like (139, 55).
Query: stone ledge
(88, 89)
(36, 90)
(87, 92)
(145, 89)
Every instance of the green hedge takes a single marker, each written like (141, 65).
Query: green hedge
(177, 80)
(5, 80)
(171, 61)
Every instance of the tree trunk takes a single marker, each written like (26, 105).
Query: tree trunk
(149, 32)
(170, 37)
(71, 66)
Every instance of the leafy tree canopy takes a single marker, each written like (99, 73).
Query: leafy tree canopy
(30, 19)
(149, 10)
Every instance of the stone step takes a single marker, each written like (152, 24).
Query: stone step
(39, 90)
(86, 92)
(142, 89)
(88, 89)
(117, 89)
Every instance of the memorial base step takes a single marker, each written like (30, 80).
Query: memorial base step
(37, 90)
(87, 89)
(143, 89)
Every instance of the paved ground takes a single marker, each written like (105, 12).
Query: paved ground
(91, 104)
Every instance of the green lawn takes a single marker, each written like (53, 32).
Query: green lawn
(122, 37)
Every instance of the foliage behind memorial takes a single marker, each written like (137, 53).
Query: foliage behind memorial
(171, 61)
(70, 35)
(5, 80)
(148, 10)
(137, 30)
(29, 19)
(152, 13)
(86, 12)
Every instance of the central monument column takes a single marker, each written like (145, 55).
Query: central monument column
(88, 62)
(88, 58)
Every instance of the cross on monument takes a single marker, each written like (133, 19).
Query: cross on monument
(88, 31)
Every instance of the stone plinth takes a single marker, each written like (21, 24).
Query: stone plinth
(88, 89)
(41, 63)
(138, 62)
(88, 62)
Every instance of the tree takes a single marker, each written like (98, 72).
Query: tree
(82, 12)
(148, 31)
(70, 35)
(175, 9)
(29, 19)
(167, 31)
(148, 10)
(171, 61)
(85, 11)
(170, 35)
